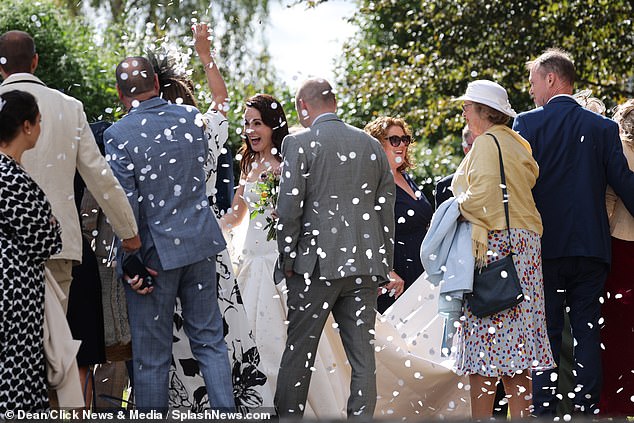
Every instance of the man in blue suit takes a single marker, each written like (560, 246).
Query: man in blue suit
(579, 153)
(157, 152)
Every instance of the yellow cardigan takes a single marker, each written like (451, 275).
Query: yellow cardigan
(476, 185)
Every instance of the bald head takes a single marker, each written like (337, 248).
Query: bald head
(314, 97)
(17, 53)
(136, 77)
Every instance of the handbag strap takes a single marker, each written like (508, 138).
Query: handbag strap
(505, 196)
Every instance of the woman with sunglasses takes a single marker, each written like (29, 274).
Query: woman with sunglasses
(412, 210)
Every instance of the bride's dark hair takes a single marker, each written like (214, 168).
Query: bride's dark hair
(174, 84)
(273, 116)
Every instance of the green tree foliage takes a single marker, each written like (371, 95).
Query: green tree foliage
(69, 60)
(234, 20)
(133, 26)
(410, 58)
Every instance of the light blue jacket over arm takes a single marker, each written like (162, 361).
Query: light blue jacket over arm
(447, 256)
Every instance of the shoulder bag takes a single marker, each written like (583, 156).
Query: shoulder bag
(496, 287)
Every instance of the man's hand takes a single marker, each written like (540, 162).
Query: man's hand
(131, 245)
(395, 287)
(136, 282)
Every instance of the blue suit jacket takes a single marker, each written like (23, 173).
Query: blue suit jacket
(157, 152)
(579, 153)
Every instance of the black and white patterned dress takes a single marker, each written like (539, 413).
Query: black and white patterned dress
(187, 387)
(27, 239)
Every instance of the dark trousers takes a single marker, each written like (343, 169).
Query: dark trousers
(576, 284)
(352, 301)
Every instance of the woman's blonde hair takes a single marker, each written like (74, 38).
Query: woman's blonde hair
(378, 129)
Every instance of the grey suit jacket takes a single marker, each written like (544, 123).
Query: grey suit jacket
(336, 203)
(157, 152)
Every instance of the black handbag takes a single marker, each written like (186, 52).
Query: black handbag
(496, 287)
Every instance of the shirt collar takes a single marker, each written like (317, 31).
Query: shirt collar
(149, 103)
(324, 116)
(21, 76)
(560, 95)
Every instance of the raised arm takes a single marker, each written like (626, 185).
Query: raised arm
(202, 45)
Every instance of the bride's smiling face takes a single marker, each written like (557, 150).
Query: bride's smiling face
(259, 135)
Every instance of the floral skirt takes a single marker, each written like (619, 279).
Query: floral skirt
(514, 339)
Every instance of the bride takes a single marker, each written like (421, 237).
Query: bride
(265, 127)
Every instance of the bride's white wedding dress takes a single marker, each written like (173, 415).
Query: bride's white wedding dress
(265, 304)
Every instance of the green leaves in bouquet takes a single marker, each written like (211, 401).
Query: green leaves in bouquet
(267, 188)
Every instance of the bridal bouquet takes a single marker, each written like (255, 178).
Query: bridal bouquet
(267, 187)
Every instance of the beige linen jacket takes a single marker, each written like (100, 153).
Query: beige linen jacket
(66, 143)
(621, 221)
(60, 349)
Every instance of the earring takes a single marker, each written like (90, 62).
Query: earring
(28, 132)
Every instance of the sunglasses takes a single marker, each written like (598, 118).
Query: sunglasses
(395, 140)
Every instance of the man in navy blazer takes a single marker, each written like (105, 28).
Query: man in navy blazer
(579, 153)
(157, 152)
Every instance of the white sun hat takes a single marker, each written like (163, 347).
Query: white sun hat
(489, 93)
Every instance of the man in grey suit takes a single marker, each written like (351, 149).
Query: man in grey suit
(335, 238)
(157, 152)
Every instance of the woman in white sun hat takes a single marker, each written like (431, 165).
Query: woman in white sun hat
(510, 344)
